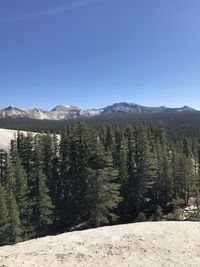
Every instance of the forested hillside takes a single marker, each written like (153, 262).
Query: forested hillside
(93, 178)
(176, 125)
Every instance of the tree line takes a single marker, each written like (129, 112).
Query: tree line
(88, 178)
(177, 125)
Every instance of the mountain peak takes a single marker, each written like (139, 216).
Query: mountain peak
(186, 109)
(10, 107)
(63, 108)
(13, 108)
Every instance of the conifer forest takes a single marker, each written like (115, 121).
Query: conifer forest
(88, 177)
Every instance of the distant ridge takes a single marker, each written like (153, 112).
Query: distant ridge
(64, 112)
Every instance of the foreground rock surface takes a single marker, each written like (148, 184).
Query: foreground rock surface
(140, 244)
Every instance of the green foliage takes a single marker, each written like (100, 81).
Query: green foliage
(157, 214)
(94, 178)
(176, 215)
(4, 217)
(42, 207)
(194, 216)
(141, 217)
(15, 227)
(20, 187)
(2, 166)
(177, 125)
(103, 192)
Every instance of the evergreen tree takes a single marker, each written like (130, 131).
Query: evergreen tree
(42, 208)
(103, 192)
(46, 143)
(2, 166)
(132, 174)
(64, 185)
(25, 146)
(75, 172)
(15, 231)
(15, 226)
(195, 159)
(190, 176)
(109, 141)
(20, 188)
(121, 164)
(54, 188)
(164, 170)
(146, 170)
(4, 217)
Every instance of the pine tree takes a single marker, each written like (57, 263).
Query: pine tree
(195, 159)
(20, 188)
(80, 147)
(46, 142)
(175, 168)
(190, 175)
(146, 170)
(25, 146)
(132, 174)
(103, 192)
(54, 192)
(2, 166)
(164, 170)
(42, 208)
(15, 226)
(121, 164)
(15, 231)
(109, 141)
(64, 184)
(4, 217)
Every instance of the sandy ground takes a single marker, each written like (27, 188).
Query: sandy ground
(141, 244)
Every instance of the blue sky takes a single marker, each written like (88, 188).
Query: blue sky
(92, 53)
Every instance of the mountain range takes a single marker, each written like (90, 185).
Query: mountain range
(63, 112)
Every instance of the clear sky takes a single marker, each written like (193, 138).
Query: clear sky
(92, 53)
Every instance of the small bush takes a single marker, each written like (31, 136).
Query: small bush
(194, 216)
(157, 216)
(141, 217)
